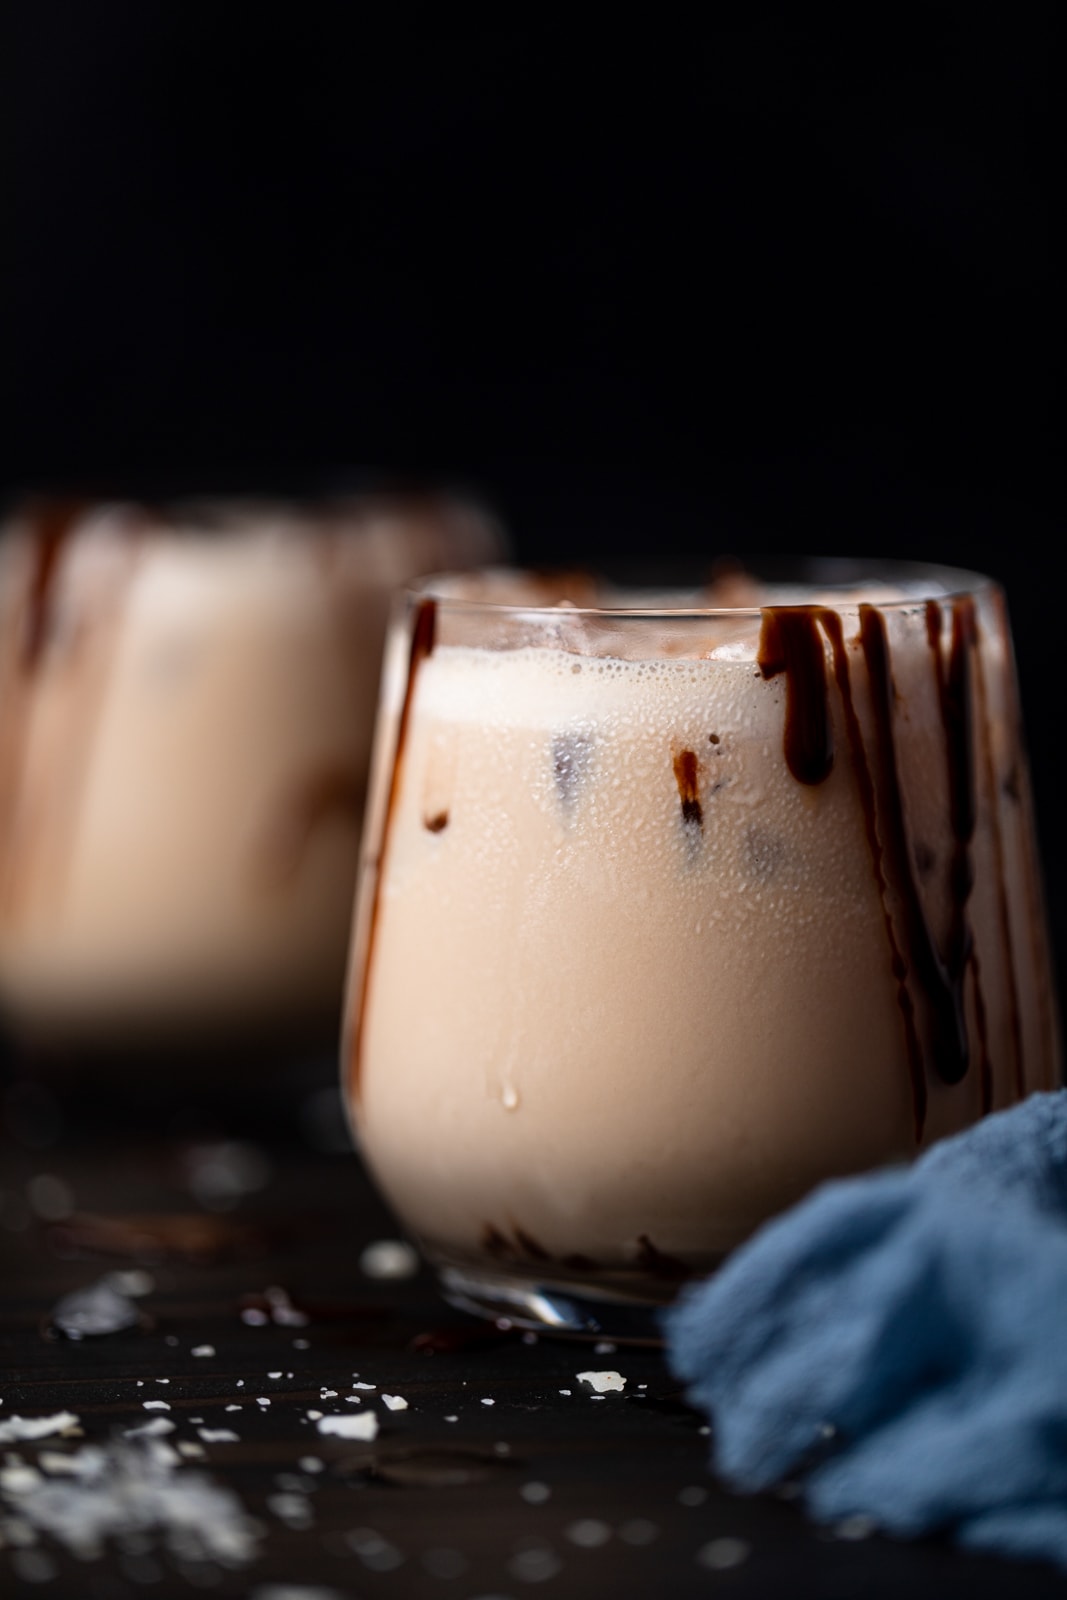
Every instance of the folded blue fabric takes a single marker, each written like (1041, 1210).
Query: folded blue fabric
(897, 1343)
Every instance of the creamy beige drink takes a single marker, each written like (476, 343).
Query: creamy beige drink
(665, 919)
(186, 706)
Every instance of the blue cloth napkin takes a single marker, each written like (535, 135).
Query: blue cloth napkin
(896, 1344)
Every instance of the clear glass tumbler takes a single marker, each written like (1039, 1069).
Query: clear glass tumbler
(187, 702)
(673, 906)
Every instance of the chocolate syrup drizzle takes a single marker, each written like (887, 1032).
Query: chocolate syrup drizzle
(53, 523)
(423, 634)
(687, 777)
(791, 642)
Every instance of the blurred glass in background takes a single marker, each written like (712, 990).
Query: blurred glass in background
(187, 696)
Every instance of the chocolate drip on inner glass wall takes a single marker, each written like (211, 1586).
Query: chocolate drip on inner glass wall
(52, 525)
(791, 643)
(423, 635)
(955, 688)
(831, 622)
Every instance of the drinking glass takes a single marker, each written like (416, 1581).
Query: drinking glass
(187, 699)
(672, 906)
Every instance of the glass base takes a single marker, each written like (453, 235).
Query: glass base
(566, 1310)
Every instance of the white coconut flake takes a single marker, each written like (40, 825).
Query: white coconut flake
(722, 1554)
(588, 1533)
(151, 1429)
(487, 1402)
(138, 1488)
(395, 1402)
(19, 1478)
(389, 1258)
(327, 1394)
(202, 1350)
(356, 1425)
(156, 1405)
(16, 1428)
(56, 1462)
(219, 1435)
(364, 1386)
(602, 1382)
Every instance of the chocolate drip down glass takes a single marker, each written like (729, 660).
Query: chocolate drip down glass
(672, 907)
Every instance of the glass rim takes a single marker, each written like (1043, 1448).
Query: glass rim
(945, 583)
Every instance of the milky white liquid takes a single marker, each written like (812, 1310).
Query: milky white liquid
(596, 1031)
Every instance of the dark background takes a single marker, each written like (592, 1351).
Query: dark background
(781, 280)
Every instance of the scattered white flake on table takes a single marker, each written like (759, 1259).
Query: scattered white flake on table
(604, 1348)
(203, 1350)
(133, 1282)
(723, 1553)
(357, 1425)
(389, 1258)
(364, 1386)
(311, 1464)
(314, 1415)
(327, 1394)
(487, 1402)
(589, 1533)
(19, 1478)
(273, 1374)
(395, 1402)
(534, 1493)
(151, 1429)
(262, 1400)
(106, 1492)
(602, 1382)
(36, 1427)
(451, 1419)
(156, 1405)
(52, 1461)
(535, 1563)
(235, 1408)
(219, 1435)
(186, 1447)
(639, 1531)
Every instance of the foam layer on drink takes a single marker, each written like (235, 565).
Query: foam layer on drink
(636, 978)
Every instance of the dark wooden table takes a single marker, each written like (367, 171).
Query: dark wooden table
(502, 1477)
